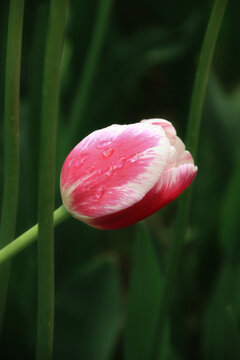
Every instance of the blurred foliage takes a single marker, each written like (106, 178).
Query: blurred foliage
(145, 69)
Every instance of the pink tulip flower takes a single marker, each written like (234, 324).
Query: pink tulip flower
(121, 174)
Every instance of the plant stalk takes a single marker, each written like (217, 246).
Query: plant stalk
(28, 237)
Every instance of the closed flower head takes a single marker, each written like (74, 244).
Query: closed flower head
(121, 174)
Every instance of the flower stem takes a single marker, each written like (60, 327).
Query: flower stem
(49, 115)
(27, 238)
(11, 137)
(194, 121)
(77, 113)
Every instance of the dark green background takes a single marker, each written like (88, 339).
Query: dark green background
(146, 69)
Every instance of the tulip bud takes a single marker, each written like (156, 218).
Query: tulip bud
(121, 174)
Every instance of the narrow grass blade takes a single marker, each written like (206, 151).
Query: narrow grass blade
(49, 115)
(81, 99)
(11, 137)
(194, 121)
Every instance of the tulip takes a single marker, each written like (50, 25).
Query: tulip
(121, 174)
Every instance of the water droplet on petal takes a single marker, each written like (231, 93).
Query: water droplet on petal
(133, 159)
(83, 159)
(107, 152)
(104, 143)
(120, 162)
(99, 192)
(109, 172)
(90, 170)
(70, 162)
(83, 188)
(77, 163)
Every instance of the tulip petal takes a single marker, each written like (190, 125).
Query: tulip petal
(122, 174)
(171, 184)
(166, 126)
(112, 169)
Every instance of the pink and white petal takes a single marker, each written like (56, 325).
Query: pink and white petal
(179, 146)
(174, 181)
(170, 185)
(172, 160)
(185, 158)
(167, 127)
(121, 164)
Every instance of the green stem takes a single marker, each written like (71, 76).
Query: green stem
(27, 238)
(194, 121)
(90, 67)
(49, 115)
(11, 137)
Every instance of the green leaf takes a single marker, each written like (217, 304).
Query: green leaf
(229, 225)
(88, 312)
(143, 301)
(220, 329)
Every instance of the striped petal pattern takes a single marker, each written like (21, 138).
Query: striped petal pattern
(121, 174)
